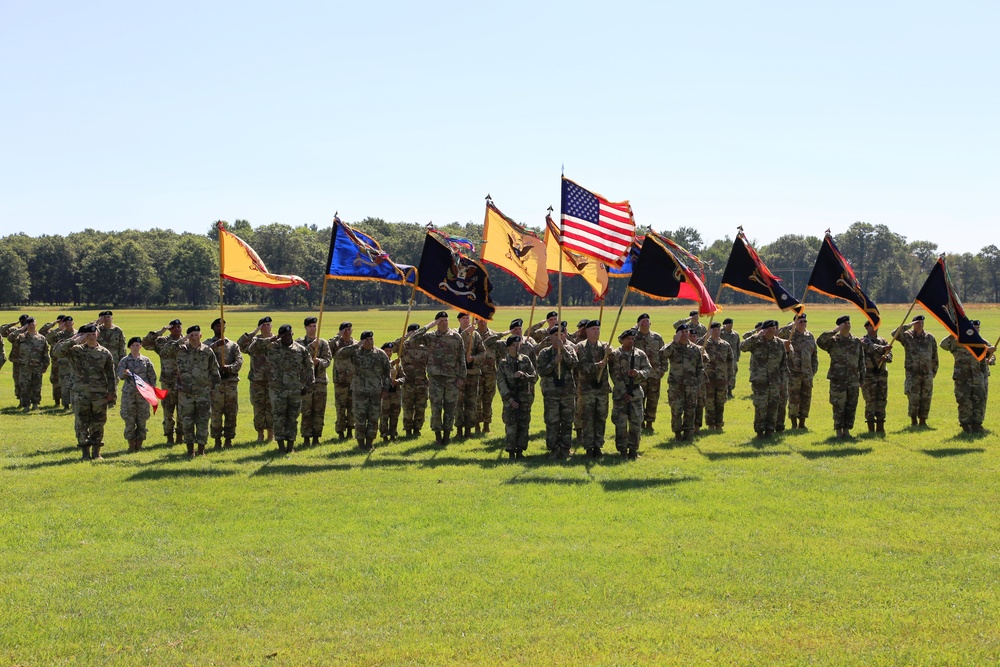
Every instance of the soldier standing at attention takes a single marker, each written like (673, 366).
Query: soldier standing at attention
(33, 352)
(53, 336)
(696, 330)
(468, 395)
(134, 408)
(720, 366)
(515, 377)
(5, 331)
(446, 372)
(970, 383)
(314, 402)
(414, 362)
(260, 379)
(225, 395)
(556, 364)
(847, 372)
(768, 371)
(157, 342)
(734, 340)
(111, 336)
(628, 367)
(875, 388)
(921, 366)
(651, 343)
(369, 386)
(487, 378)
(292, 373)
(687, 371)
(93, 387)
(343, 374)
(392, 403)
(803, 362)
(197, 375)
(594, 388)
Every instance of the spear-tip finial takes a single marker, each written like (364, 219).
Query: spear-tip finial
(828, 231)
(550, 209)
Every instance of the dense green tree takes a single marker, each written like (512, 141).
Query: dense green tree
(194, 271)
(53, 270)
(118, 273)
(15, 281)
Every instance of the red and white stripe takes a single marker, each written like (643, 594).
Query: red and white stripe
(609, 240)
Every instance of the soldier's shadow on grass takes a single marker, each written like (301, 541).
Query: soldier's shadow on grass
(952, 451)
(752, 454)
(155, 474)
(284, 468)
(46, 452)
(836, 453)
(14, 411)
(639, 484)
(966, 436)
(48, 464)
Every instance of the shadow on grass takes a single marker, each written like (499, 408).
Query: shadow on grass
(48, 464)
(836, 453)
(179, 473)
(429, 447)
(638, 484)
(753, 454)
(966, 436)
(952, 451)
(46, 452)
(557, 481)
(297, 469)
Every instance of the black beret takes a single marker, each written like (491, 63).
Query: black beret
(284, 328)
(728, 320)
(767, 324)
(644, 316)
(582, 323)
(134, 339)
(593, 323)
(412, 327)
(68, 318)
(175, 322)
(842, 319)
(512, 340)
(345, 325)
(88, 328)
(441, 313)
(22, 318)
(461, 315)
(693, 313)
(628, 333)
(869, 325)
(367, 334)
(29, 320)
(105, 313)
(974, 323)
(310, 320)
(264, 320)
(759, 325)
(918, 318)
(216, 322)
(715, 325)
(60, 318)
(556, 328)
(516, 323)
(552, 313)
(193, 328)
(387, 346)
(682, 327)
(801, 316)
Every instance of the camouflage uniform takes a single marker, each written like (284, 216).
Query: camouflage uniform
(15, 359)
(719, 369)
(392, 404)
(61, 368)
(168, 378)
(875, 388)
(134, 408)
(343, 375)
(628, 397)
(34, 358)
(687, 372)
(314, 402)
(371, 378)
(291, 372)
(516, 420)
(970, 385)
(260, 383)
(734, 341)
(697, 331)
(651, 343)
(113, 339)
(921, 366)
(768, 372)
(467, 411)
(445, 366)
(847, 372)
(94, 382)
(558, 396)
(225, 395)
(487, 384)
(197, 375)
(52, 336)
(593, 388)
(414, 398)
(803, 363)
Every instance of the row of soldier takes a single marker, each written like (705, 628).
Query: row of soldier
(460, 371)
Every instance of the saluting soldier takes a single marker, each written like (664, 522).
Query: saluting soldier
(33, 353)
(875, 388)
(157, 342)
(446, 372)
(720, 367)
(628, 367)
(392, 403)
(734, 341)
(921, 365)
(594, 388)
(487, 378)
(368, 387)
(803, 363)
(61, 367)
(260, 379)
(134, 408)
(768, 372)
(15, 357)
(580, 334)
(292, 373)
(314, 402)
(847, 372)
(556, 364)
(197, 375)
(686, 362)
(53, 332)
(539, 331)
(414, 390)
(651, 343)
(515, 378)
(468, 395)
(110, 336)
(343, 374)
(93, 387)
(970, 382)
(225, 395)
(696, 330)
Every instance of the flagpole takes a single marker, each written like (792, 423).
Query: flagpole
(718, 293)
(319, 324)
(406, 321)
(531, 317)
(222, 262)
(618, 317)
(899, 329)
(562, 232)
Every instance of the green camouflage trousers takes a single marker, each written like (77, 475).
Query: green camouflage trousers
(971, 398)
(260, 399)
(195, 410)
(487, 390)
(593, 407)
(627, 418)
(314, 411)
(54, 379)
(517, 424)
(766, 397)
(16, 374)
(29, 380)
(391, 407)
(875, 390)
(844, 399)
(91, 414)
(225, 407)
(443, 394)
(919, 389)
(414, 405)
(779, 420)
(134, 411)
(651, 390)
(286, 406)
(467, 410)
(800, 394)
(367, 408)
(683, 401)
(715, 403)
(66, 384)
(559, 411)
(343, 399)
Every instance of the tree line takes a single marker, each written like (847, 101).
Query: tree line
(160, 268)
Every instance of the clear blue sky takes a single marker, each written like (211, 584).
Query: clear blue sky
(785, 117)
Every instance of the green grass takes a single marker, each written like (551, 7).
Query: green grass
(800, 550)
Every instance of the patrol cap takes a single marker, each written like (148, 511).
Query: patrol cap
(682, 327)
(264, 320)
(310, 320)
(644, 316)
(176, 323)
(551, 314)
(767, 324)
(60, 318)
(441, 313)
(628, 333)
(412, 327)
(345, 325)
(918, 318)
(284, 329)
(516, 323)
(715, 325)
(728, 320)
(387, 345)
(513, 340)
(582, 323)
(367, 334)
(593, 323)
(693, 313)
(842, 319)
(217, 321)
(133, 340)
(193, 329)
(88, 328)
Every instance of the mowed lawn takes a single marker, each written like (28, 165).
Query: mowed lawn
(798, 550)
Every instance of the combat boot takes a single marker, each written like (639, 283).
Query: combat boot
(58, 401)
(95, 452)
(802, 423)
(316, 440)
(170, 438)
(270, 435)
(486, 427)
(229, 443)
(871, 425)
(260, 437)
(479, 430)
(446, 437)
(281, 445)
(190, 447)
(350, 432)
(290, 446)
(923, 421)
(880, 426)
(913, 421)
(201, 449)
(437, 437)
(409, 433)
(633, 453)
(511, 454)
(218, 443)
(138, 445)
(371, 444)
(85, 451)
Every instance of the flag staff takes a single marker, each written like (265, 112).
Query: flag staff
(531, 317)
(222, 263)
(611, 338)
(718, 293)
(562, 233)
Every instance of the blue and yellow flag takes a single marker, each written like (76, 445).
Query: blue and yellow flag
(357, 256)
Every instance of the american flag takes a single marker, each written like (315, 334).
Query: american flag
(594, 226)
(151, 394)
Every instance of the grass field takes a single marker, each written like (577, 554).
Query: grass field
(799, 550)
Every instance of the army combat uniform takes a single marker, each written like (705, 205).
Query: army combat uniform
(34, 361)
(113, 339)
(875, 388)
(94, 382)
(593, 393)
(168, 380)
(61, 368)
(734, 341)
(225, 395)
(445, 368)
(467, 412)
(513, 389)
(260, 385)
(314, 402)
(684, 379)
(768, 372)
(921, 365)
(651, 343)
(371, 378)
(292, 374)
(847, 372)
(558, 396)
(392, 404)
(343, 375)
(970, 385)
(414, 390)
(134, 409)
(487, 383)
(803, 364)
(197, 375)
(628, 398)
(14, 357)
(720, 367)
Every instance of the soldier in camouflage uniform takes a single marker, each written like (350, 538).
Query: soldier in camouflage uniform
(515, 377)
(260, 379)
(110, 336)
(581, 332)
(556, 364)
(487, 378)
(93, 387)
(292, 373)
(628, 366)
(343, 375)
(686, 362)
(539, 331)
(61, 368)
(155, 341)
(369, 386)
(651, 343)
(33, 351)
(875, 388)
(52, 332)
(197, 375)
(970, 383)
(467, 410)
(414, 362)
(392, 403)
(847, 372)
(803, 363)
(446, 372)
(134, 408)
(225, 395)
(921, 366)
(15, 357)
(314, 402)
(696, 330)
(768, 371)
(720, 366)
(593, 388)
(734, 341)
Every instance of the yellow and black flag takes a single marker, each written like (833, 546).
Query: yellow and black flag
(939, 298)
(509, 246)
(746, 272)
(833, 276)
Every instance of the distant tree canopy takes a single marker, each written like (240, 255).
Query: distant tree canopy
(162, 268)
